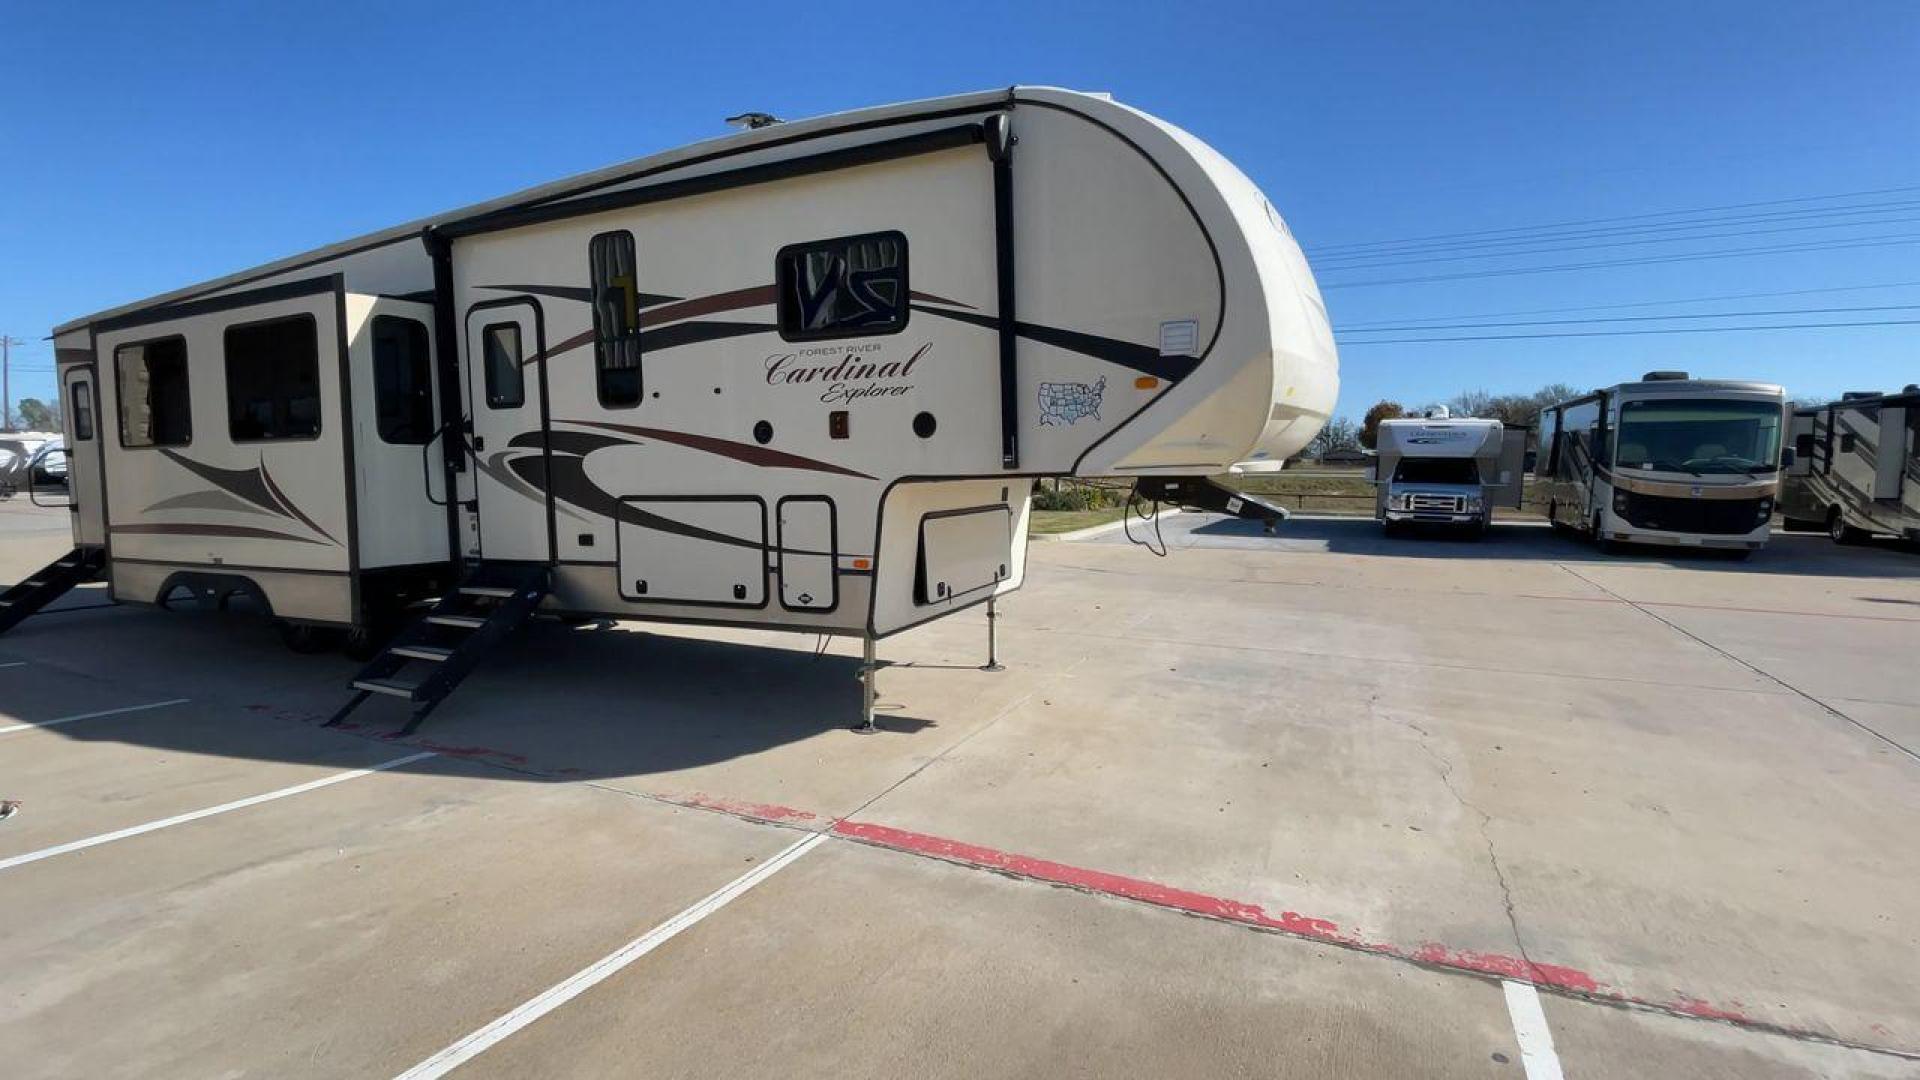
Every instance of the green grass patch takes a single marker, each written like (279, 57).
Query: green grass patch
(1059, 521)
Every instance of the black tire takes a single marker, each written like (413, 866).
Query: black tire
(1553, 518)
(1801, 525)
(1840, 531)
(1392, 529)
(363, 643)
(1606, 546)
(306, 639)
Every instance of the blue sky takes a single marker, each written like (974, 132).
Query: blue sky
(144, 147)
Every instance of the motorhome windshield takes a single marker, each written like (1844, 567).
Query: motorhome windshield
(1436, 471)
(1699, 436)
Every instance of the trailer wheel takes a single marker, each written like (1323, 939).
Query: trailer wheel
(1606, 546)
(306, 638)
(1840, 531)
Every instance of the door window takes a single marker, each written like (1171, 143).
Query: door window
(83, 411)
(500, 359)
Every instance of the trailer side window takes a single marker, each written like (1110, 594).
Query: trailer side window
(616, 319)
(851, 286)
(150, 379)
(273, 380)
(1846, 443)
(500, 348)
(1803, 446)
(402, 380)
(82, 412)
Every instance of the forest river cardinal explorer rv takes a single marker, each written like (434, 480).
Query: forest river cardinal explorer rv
(801, 377)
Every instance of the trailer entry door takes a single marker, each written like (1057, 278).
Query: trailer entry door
(507, 444)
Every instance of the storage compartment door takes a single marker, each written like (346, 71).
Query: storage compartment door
(694, 550)
(963, 551)
(808, 547)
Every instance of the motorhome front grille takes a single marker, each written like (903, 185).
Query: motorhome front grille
(1444, 504)
(1718, 517)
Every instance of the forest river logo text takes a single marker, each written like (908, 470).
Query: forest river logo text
(846, 374)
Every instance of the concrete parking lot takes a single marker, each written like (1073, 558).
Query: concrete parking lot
(1318, 804)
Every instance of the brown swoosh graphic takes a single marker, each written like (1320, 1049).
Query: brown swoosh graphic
(253, 485)
(244, 531)
(747, 452)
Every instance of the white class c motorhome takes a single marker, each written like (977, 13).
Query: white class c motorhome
(1668, 460)
(1856, 468)
(1437, 470)
(800, 377)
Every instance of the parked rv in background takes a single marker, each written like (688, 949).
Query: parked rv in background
(1856, 467)
(1668, 460)
(1441, 471)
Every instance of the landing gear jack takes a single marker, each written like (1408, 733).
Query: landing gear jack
(869, 667)
(993, 617)
(1206, 493)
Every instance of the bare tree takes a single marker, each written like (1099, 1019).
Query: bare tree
(1340, 433)
(1471, 403)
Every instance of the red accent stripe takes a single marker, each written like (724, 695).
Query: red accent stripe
(738, 808)
(1099, 881)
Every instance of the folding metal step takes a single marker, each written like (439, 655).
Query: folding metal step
(48, 584)
(386, 686)
(511, 590)
(421, 652)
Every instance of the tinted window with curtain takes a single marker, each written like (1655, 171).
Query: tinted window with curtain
(616, 318)
(273, 380)
(851, 286)
(500, 359)
(402, 380)
(82, 412)
(150, 379)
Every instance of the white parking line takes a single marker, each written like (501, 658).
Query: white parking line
(91, 715)
(196, 815)
(1530, 1029)
(13, 663)
(588, 977)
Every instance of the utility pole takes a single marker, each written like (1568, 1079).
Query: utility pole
(6, 380)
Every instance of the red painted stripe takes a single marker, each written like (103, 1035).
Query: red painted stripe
(739, 808)
(1295, 924)
(1099, 881)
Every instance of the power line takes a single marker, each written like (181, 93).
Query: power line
(1634, 217)
(1775, 217)
(1898, 239)
(1642, 303)
(1629, 318)
(1556, 248)
(1635, 333)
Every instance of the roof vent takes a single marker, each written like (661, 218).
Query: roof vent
(1664, 376)
(754, 121)
(1911, 388)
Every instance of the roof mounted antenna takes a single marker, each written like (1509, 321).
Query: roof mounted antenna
(754, 121)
